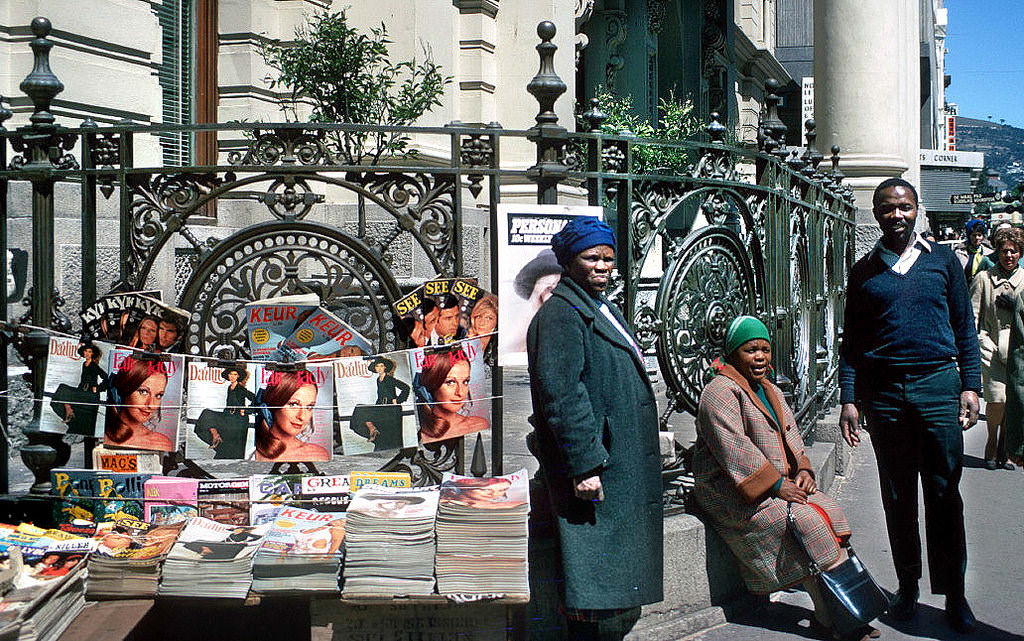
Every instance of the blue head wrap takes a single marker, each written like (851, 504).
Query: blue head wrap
(973, 224)
(579, 234)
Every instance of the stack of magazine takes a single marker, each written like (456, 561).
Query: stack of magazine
(482, 534)
(220, 554)
(48, 590)
(126, 561)
(389, 543)
(302, 551)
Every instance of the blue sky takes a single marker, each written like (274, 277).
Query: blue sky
(985, 59)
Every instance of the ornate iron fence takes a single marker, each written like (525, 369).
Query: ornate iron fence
(728, 231)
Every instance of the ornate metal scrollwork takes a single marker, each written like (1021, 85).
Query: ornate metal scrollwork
(424, 205)
(476, 151)
(709, 281)
(427, 464)
(653, 201)
(801, 350)
(278, 258)
(719, 164)
(284, 146)
(160, 205)
(290, 197)
(57, 144)
(647, 326)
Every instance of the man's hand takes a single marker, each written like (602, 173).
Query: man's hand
(849, 422)
(968, 409)
(805, 481)
(790, 491)
(589, 488)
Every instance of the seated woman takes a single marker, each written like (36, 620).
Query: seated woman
(749, 464)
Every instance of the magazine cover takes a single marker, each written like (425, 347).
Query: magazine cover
(120, 496)
(294, 413)
(136, 540)
(498, 493)
(224, 500)
(143, 400)
(326, 493)
(384, 479)
(269, 492)
(271, 320)
(135, 319)
(398, 503)
(219, 416)
(529, 270)
(301, 532)
(452, 388)
(77, 490)
(110, 317)
(374, 402)
(213, 541)
(76, 386)
(116, 460)
(322, 334)
(171, 500)
(442, 311)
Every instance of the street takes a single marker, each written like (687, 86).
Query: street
(995, 530)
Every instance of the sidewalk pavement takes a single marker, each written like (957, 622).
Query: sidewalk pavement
(994, 513)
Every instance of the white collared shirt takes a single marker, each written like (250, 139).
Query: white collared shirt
(901, 264)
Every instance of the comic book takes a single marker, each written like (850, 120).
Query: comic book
(171, 500)
(219, 414)
(271, 320)
(144, 400)
(452, 388)
(224, 500)
(298, 401)
(75, 387)
(269, 492)
(76, 489)
(120, 496)
(322, 334)
(375, 404)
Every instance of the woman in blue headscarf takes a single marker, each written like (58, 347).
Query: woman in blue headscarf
(596, 438)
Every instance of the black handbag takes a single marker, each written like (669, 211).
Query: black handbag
(850, 593)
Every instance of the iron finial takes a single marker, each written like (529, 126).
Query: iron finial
(546, 86)
(41, 85)
(594, 116)
(5, 113)
(716, 130)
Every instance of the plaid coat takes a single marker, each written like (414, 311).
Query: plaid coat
(739, 455)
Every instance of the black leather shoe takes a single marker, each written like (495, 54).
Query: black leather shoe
(959, 614)
(990, 464)
(904, 606)
(1006, 465)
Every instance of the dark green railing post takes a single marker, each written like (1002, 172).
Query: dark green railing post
(497, 373)
(125, 161)
(42, 143)
(595, 118)
(547, 134)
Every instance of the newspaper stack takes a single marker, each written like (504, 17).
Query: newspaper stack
(126, 561)
(389, 542)
(302, 551)
(220, 554)
(482, 535)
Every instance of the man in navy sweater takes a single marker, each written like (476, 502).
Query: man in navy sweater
(910, 360)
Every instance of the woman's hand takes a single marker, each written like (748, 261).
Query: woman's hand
(589, 488)
(805, 481)
(790, 491)
(215, 438)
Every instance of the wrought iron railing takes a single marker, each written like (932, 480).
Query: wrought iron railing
(727, 231)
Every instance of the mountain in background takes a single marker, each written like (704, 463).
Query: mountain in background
(1003, 146)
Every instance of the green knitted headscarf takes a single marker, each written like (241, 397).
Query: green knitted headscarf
(743, 329)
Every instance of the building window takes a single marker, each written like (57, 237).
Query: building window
(175, 76)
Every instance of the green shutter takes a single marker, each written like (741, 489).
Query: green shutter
(175, 75)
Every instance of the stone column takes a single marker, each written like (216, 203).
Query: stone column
(866, 93)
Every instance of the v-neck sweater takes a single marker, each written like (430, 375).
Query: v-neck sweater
(911, 322)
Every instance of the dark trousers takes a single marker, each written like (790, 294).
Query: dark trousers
(914, 424)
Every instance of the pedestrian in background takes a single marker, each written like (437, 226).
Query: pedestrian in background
(993, 294)
(973, 252)
(1013, 425)
(596, 438)
(910, 360)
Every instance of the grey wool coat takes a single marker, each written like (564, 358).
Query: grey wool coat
(594, 408)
